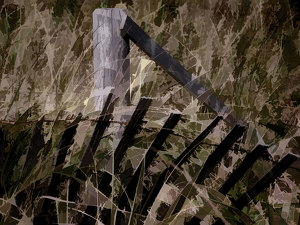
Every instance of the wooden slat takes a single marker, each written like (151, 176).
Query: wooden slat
(48, 208)
(121, 218)
(36, 144)
(87, 158)
(151, 153)
(263, 183)
(178, 162)
(3, 156)
(213, 159)
(127, 140)
(149, 199)
(216, 156)
(239, 172)
(192, 147)
(102, 123)
(66, 141)
(87, 219)
(177, 71)
(296, 165)
(131, 130)
(194, 220)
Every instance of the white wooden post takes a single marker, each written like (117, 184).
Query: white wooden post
(111, 62)
(111, 65)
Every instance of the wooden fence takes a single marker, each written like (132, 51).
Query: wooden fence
(124, 199)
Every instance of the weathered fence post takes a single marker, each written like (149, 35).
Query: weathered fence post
(111, 64)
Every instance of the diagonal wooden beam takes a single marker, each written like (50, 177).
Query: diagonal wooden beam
(178, 72)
